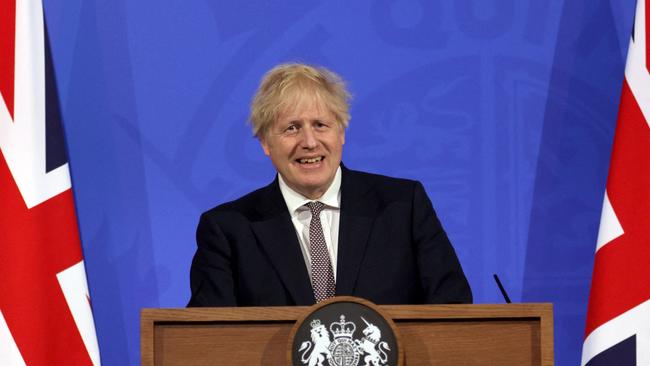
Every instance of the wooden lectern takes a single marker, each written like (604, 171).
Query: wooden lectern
(510, 334)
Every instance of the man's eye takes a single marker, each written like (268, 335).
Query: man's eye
(291, 128)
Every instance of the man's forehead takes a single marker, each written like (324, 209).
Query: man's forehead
(302, 106)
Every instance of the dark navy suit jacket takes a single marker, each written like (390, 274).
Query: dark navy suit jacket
(391, 249)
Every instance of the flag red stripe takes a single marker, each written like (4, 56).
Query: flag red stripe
(7, 51)
(36, 244)
(621, 278)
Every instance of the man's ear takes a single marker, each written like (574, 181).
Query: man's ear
(265, 146)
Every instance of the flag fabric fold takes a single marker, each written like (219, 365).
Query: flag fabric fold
(618, 316)
(45, 310)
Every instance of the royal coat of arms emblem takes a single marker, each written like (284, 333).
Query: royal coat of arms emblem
(344, 349)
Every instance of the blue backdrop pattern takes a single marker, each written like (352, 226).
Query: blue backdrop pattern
(503, 109)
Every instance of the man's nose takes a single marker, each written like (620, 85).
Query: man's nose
(308, 139)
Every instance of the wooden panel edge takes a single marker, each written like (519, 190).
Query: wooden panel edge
(547, 340)
(463, 311)
(280, 313)
(277, 313)
(146, 338)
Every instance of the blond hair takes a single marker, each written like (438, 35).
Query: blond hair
(289, 86)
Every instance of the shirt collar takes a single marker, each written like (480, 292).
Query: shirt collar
(294, 200)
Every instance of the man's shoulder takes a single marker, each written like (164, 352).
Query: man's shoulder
(380, 182)
(250, 206)
(369, 189)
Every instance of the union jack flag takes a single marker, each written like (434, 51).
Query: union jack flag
(618, 315)
(45, 312)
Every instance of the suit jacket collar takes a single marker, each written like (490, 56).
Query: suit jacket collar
(277, 236)
(358, 213)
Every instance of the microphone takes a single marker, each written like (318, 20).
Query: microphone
(503, 290)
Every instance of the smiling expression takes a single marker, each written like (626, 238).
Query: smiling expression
(305, 145)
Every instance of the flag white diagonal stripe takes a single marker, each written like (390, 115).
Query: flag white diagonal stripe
(610, 227)
(22, 140)
(75, 289)
(9, 353)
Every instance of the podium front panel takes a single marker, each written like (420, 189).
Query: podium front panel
(512, 334)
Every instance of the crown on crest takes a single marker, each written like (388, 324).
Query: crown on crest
(315, 323)
(343, 328)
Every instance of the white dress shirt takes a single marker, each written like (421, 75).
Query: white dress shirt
(329, 217)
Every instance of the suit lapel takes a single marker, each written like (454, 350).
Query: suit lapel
(357, 217)
(277, 236)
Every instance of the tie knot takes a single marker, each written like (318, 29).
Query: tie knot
(315, 207)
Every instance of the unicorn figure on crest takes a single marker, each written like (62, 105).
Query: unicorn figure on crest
(370, 345)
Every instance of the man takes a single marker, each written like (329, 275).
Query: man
(320, 229)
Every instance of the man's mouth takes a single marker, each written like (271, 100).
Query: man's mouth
(317, 159)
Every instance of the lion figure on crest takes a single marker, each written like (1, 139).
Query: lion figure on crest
(369, 344)
(320, 339)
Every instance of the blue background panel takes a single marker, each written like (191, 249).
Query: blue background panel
(505, 111)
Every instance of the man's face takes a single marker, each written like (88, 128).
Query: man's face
(305, 146)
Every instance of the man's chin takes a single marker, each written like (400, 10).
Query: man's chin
(311, 189)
